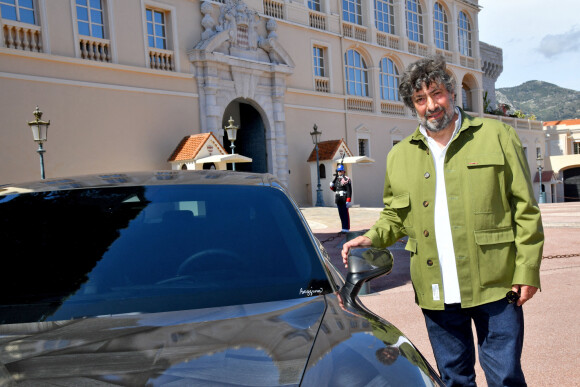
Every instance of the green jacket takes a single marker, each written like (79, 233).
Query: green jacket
(495, 221)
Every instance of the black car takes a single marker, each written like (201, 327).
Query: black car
(184, 278)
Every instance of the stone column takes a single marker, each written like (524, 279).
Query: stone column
(475, 40)
(375, 80)
(211, 87)
(428, 26)
(453, 37)
(370, 19)
(401, 24)
(477, 100)
(459, 92)
(280, 159)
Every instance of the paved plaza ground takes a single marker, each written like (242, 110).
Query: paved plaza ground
(552, 337)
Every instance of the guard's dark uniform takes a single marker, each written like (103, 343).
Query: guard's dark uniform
(342, 187)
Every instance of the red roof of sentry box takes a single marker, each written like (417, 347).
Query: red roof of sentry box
(326, 149)
(547, 177)
(190, 146)
(575, 121)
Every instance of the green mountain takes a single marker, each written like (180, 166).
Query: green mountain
(546, 101)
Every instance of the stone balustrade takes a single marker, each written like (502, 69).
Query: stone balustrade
(95, 49)
(360, 104)
(418, 48)
(161, 59)
(448, 55)
(317, 20)
(322, 84)
(393, 108)
(468, 62)
(354, 31)
(388, 40)
(274, 9)
(22, 36)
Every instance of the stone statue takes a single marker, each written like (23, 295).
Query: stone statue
(207, 22)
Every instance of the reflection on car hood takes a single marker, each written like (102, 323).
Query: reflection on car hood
(257, 344)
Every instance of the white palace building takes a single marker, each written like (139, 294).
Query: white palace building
(134, 85)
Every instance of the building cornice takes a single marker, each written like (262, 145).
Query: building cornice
(91, 63)
(68, 82)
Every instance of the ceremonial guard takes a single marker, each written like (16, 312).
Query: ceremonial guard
(342, 187)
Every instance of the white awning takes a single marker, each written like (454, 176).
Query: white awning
(231, 158)
(355, 160)
(14, 190)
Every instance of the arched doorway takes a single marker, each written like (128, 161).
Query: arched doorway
(469, 97)
(572, 185)
(251, 136)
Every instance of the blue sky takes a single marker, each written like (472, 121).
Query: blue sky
(540, 40)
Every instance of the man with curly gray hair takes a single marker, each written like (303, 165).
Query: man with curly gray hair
(459, 187)
(428, 72)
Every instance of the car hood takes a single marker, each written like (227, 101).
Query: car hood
(274, 343)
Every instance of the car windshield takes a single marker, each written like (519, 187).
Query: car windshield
(91, 252)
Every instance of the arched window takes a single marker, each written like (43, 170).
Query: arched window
(414, 21)
(356, 73)
(464, 32)
(352, 11)
(440, 27)
(384, 16)
(322, 171)
(389, 76)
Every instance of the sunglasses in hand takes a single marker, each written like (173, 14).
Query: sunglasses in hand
(512, 296)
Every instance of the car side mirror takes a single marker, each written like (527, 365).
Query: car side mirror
(364, 264)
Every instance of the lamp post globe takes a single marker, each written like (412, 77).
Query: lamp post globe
(316, 139)
(539, 162)
(39, 134)
(232, 132)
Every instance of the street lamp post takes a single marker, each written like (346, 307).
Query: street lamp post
(539, 161)
(315, 139)
(232, 132)
(39, 133)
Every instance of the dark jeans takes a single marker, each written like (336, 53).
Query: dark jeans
(344, 217)
(500, 336)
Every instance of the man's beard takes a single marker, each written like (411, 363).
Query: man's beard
(438, 125)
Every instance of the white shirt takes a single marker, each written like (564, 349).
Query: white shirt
(443, 237)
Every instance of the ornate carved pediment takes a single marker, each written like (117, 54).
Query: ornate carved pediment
(396, 131)
(235, 32)
(362, 129)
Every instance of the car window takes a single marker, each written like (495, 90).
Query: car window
(90, 252)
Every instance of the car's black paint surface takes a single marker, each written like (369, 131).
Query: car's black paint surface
(109, 301)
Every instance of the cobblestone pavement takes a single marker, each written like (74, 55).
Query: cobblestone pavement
(552, 338)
